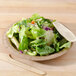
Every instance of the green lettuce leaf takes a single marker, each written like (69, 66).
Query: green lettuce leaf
(35, 16)
(63, 41)
(48, 23)
(56, 43)
(22, 22)
(40, 22)
(12, 30)
(23, 39)
(15, 42)
(66, 45)
(38, 42)
(37, 32)
(28, 32)
(32, 53)
(46, 50)
(57, 47)
(38, 19)
(49, 37)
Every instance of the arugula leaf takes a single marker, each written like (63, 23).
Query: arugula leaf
(46, 50)
(66, 45)
(23, 39)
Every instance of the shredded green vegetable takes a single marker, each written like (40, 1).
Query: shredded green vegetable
(38, 36)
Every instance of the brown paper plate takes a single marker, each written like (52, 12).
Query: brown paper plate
(16, 53)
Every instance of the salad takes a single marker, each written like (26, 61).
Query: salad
(36, 36)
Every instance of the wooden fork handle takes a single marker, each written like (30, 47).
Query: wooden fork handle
(7, 58)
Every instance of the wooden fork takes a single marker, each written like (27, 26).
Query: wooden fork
(65, 32)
